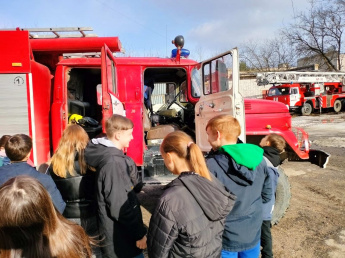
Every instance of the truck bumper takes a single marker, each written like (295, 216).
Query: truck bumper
(319, 157)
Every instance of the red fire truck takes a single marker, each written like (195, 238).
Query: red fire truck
(306, 92)
(45, 81)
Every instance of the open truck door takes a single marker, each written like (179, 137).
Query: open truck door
(108, 94)
(219, 93)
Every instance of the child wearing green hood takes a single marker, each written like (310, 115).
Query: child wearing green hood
(243, 171)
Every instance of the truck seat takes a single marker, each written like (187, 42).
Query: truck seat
(160, 131)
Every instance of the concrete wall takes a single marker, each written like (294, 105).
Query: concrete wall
(249, 89)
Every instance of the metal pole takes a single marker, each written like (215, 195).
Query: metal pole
(320, 103)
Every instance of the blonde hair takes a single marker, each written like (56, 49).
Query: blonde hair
(227, 125)
(73, 141)
(183, 145)
(117, 123)
(31, 227)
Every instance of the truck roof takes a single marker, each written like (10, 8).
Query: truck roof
(130, 61)
(75, 45)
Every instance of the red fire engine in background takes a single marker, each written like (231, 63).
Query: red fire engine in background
(306, 92)
(46, 80)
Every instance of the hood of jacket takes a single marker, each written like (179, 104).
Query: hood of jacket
(99, 150)
(248, 155)
(239, 161)
(212, 197)
(272, 154)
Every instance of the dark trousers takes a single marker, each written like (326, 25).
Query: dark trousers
(266, 239)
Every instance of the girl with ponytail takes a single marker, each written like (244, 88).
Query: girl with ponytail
(189, 217)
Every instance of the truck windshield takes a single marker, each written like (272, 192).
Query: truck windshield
(278, 91)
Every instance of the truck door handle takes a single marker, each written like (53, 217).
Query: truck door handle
(201, 107)
(238, 109)
(106, 106)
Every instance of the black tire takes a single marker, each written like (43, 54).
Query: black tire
(283, 196)
(306, 109)
(337, 106)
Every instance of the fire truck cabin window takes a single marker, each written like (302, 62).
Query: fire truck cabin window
(207, 79)
(196, 83)
(217, 75)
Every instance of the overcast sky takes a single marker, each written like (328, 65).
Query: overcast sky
(146, 27)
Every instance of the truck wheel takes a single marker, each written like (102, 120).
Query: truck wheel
(337, 105)
(283, 195)
(306, 109)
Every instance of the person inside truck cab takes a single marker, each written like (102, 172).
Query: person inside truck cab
(329, 89)
(148, 89)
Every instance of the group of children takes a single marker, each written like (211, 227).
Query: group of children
(218, 206)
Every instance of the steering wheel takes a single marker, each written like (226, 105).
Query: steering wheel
(176, 102)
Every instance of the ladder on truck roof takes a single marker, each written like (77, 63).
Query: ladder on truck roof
(298, 77)
(63, 32)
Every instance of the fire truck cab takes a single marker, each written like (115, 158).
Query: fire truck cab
(45, 81)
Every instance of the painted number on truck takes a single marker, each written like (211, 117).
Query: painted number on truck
(19, 80)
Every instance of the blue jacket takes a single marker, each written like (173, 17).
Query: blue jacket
(268, 206)
(22, 168)
(4, 161)
(252, 187)
(272, 158)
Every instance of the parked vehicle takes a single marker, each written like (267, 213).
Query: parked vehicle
(306, 92)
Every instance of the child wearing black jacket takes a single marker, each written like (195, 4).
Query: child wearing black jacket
(273, 145)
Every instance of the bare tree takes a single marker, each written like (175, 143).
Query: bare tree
(199, 53)
(268, 55)
(318, 33)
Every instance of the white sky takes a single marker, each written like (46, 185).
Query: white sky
(146, 27)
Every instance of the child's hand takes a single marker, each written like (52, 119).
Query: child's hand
(141, 244)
